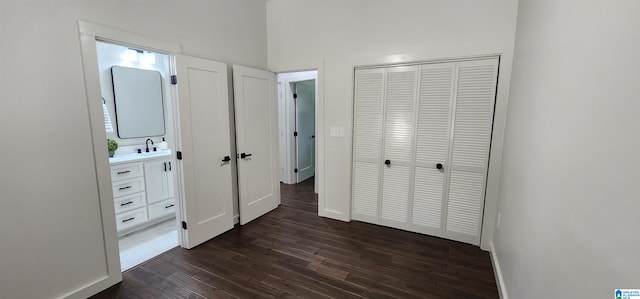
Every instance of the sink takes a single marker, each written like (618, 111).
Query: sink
(132, 157)
(154, 154)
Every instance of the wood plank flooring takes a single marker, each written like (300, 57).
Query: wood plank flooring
(293, 253)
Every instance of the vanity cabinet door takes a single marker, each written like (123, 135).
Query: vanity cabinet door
(158, 179)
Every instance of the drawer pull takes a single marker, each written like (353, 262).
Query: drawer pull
(123, 172)
(126, 203)
(171, 205)
(127, 220)
(125, 188)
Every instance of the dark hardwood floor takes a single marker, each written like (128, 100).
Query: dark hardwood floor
(291, 252)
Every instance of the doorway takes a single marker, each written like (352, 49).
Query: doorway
(137, 107)
(210, 188)
(297, 116)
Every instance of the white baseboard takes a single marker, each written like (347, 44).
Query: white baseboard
(502, 291)
(337, 215)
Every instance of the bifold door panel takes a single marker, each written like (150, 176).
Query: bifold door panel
(367, 152)
(435, 101)
(422, 135)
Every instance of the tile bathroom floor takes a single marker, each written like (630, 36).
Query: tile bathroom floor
(140, 246)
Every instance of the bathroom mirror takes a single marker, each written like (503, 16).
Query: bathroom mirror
(138, 102)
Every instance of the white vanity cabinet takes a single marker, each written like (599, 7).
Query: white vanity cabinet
(158, 176)
(129, 195)
(143, 190)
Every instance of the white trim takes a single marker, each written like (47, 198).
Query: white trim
(333, 214)
(103, 175)
(409, 60)
(502, 290)
(89, 34)
(120, 36)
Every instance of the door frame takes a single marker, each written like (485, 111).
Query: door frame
(90, 33)
(319, 181)
(287, 122)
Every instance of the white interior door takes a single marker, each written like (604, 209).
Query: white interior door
(203, 100)
(305, 128)
(257, 141)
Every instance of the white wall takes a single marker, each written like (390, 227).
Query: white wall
(570, 191)
(335, 35)
(50, 220)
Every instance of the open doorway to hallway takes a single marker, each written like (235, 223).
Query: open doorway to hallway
(297, 116)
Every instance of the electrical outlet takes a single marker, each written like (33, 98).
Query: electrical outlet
(498, 221)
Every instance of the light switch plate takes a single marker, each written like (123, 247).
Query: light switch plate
(336, 132)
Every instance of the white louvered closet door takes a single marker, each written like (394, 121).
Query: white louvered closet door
(435, 99)
(369, 97)
(400, 96)
(472, 125)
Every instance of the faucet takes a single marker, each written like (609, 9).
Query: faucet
(147, 143)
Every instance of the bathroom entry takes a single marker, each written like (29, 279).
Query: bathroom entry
(214, 186)
(137, 107)
(297, 100)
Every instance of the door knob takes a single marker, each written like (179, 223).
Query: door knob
(243, 155)
(226, 159)
(387, 162)
(439, 166)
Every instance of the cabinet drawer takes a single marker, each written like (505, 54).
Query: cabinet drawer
(129, 202)
(131, 218)
(126, 171)
(162, 208)
(127, 187)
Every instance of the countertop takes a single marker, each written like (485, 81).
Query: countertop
(134, 157)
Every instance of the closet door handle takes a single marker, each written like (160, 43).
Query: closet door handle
(169, 165)
(243, 155)
(226, 159)
(387, 162)
(439, 166)
(165, 166)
